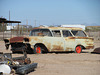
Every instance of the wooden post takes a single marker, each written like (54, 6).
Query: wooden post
(3, 30)
(18, 30)
(11, 30)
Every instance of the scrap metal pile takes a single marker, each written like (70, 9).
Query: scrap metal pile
(18, 65)
(96, 50)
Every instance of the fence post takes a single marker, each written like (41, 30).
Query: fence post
(18, 30)
(3, 30)
(11, 30)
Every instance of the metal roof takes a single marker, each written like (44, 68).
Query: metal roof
(3, 20)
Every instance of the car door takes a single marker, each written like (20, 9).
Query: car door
(54, 42)
(69, 40)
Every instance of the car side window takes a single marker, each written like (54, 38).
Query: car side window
(40, 32)
(45, 32)
(66, 33)
(35, 32)
(56, 33)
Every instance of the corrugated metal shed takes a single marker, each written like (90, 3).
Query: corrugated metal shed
(3, 20)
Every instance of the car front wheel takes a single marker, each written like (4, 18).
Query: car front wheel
(37, 49)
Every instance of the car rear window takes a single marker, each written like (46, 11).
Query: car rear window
(78, 33)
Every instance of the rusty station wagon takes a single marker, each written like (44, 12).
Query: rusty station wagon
(52, 39)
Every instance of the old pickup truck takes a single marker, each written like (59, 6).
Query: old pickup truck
(52, 39)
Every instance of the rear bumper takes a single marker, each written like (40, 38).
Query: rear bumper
(89, 47)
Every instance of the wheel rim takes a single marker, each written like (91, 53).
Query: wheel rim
(38, 49)
(78, 49)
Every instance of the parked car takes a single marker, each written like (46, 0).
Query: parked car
(52, 39)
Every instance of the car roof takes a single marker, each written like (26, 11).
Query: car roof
(59, 28)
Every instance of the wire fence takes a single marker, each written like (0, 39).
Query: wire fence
(25, 33)
(94, 34)
(13, 33)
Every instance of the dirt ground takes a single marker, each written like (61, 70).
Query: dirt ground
(64, 63)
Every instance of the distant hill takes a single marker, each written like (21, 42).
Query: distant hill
(92, 28)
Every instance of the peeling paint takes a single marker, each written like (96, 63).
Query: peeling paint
(55, 47)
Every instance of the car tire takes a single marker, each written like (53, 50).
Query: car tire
(78, 49)
(37, 49)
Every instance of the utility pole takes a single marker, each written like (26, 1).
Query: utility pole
(35, 23)
(27, 25)
(9, 15)
(26, 22)
(39, 23)
(10, 24)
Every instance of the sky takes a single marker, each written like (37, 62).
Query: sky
(52, 12)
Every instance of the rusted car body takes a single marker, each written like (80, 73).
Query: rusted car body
(52, 39)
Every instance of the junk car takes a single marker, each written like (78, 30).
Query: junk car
(52, 39)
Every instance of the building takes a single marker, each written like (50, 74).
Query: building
(77, 26)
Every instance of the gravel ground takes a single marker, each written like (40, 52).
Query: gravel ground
(64, 63)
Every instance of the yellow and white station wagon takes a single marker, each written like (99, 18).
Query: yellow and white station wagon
(52, 39)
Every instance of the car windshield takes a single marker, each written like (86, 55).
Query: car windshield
(78, 33)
